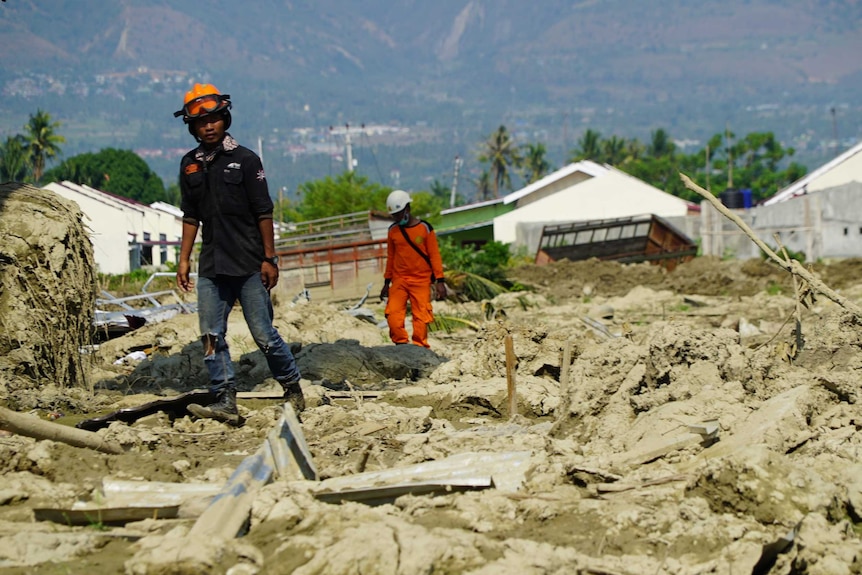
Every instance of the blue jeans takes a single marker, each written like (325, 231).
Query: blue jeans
(215, 300)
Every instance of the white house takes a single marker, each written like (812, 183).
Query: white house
(126, 234)
(578, 192)
(819, 214)
(843, 169)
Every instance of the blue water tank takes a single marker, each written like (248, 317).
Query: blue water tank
(746, 198)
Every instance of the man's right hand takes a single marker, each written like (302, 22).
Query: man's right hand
(184, 282)
(384, 293)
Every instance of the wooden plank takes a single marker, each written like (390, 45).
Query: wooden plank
(104, 515)
(510, 376)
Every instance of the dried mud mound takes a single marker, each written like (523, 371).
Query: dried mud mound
(47, 289)
(565, 280)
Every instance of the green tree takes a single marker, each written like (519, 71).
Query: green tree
(483, 186)
(173, 195)
(345, 194)
(13, 159)
(440, 190)
(614, 150)
(534, 162)
(501, 153)
(426, 206)
(589, 147)
(120, 172)
(754, 162)
(660, 144)
(634, 150)
(42, 142)
(350, 193)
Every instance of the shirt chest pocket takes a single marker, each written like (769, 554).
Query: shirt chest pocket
(234, 200)
(195, 186)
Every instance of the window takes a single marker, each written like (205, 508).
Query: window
(147, 251)
(163, 251)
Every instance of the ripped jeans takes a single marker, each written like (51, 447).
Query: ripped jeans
(216, 298)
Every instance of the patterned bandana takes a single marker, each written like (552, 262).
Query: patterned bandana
(227, 144)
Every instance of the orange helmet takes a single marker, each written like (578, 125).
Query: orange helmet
(202, 100)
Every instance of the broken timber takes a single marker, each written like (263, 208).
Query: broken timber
(31, 426)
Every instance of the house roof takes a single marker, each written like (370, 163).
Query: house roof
(169, 208)
(471, 206)
(586, 166)
(466, 228)
(799, 187)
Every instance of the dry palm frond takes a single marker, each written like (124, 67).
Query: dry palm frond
(473, 287)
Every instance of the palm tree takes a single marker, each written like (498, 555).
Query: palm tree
(634, 150)
(13, 159)
(439, 190)
(660, 144)
(483, 185)
(42, 142)
(500, 152)
(614, 149)
(589, 147)
(535, 165)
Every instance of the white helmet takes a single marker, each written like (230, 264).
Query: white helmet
(397, 201)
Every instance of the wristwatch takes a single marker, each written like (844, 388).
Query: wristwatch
(273, 260)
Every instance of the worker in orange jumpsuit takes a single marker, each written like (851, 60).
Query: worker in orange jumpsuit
(413, 264)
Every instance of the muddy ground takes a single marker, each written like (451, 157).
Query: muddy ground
(690, 434)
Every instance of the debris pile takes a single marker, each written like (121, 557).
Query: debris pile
(639, 428)
(47, 290)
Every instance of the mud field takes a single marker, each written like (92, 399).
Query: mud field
(688, 433)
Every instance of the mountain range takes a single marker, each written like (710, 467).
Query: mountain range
(448, 72)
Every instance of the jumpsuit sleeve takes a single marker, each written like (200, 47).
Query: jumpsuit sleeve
(434, 255)
(390, 255)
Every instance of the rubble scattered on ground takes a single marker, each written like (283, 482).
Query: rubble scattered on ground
(681, 438)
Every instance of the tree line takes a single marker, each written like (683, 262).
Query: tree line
(24, 157)
(756, 161)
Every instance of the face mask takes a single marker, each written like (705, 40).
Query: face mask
(405, 219)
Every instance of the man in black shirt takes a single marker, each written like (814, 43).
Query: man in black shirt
(224, 188)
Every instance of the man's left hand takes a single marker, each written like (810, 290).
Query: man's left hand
(269, 275)
(440, 288)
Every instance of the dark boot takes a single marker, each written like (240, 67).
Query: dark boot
(293, 395)
(224, 409)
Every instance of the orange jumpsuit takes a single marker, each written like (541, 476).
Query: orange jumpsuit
(411, 278)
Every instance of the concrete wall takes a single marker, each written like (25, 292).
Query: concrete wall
(826, 224)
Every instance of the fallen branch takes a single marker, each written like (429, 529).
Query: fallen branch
(32, 426)
(791, 266)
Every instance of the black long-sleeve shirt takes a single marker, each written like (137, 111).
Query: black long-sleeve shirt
(228, 196)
